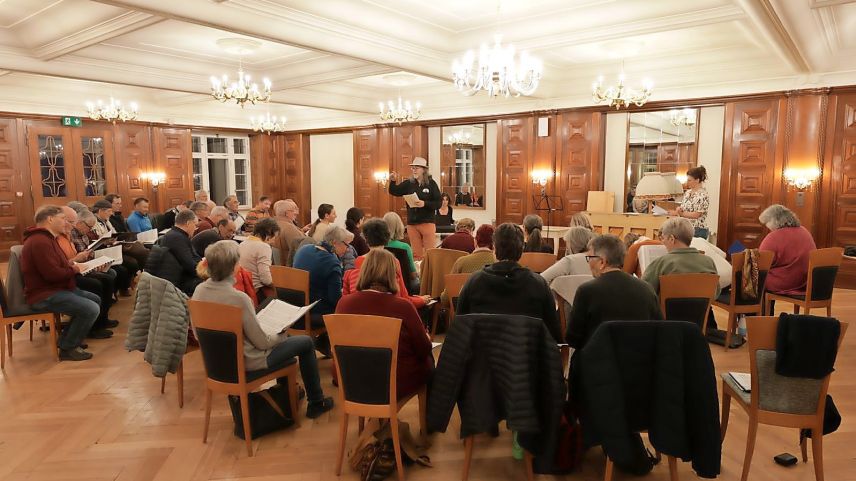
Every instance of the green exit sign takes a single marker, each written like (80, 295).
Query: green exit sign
(72, 122)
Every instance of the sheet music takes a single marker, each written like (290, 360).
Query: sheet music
(279, 315)
(148, 237)
(435, 345)
(89, 266)
(743, 380)
(411, 199)
(657, 210)
(114, 253)
(96, 241)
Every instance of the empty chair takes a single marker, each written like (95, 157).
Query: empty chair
(733, 301)
(774, 399)
(454, 284)
(823, 267)
(537, 262)
(687, 297)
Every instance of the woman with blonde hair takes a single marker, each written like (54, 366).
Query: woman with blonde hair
(396, 237)
(376, 295)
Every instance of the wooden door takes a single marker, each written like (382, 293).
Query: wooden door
(51, 166)
(94, 164)
(15, 208)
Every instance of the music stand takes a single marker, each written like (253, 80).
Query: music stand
(549, 204)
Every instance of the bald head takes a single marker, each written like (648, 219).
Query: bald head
(70, 218)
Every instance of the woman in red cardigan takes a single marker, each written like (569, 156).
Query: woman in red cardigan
(376, 295)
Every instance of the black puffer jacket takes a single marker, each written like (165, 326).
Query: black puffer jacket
(499, 367)
(656, 376)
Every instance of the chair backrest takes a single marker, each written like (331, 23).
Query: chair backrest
(781, 394)
(406, 269)
(15, 299)
(437, 262)
(823, 267)
(647, 254)
(365, 349)
(537, 262)
(687, 297)
(292, 286)
(765, 261)
(454, 284)
(219, 330)
(566, 286)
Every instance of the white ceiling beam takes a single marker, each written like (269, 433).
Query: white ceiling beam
(267, 20)
(120, 25)
(829, 3)
(770, 26)
(335, 75)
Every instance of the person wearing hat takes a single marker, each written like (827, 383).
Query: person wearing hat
(420, 219)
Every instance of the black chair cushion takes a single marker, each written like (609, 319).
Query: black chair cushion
(291, 296)
(365, 373)
(253, 375)
(406, 271)
(690, 309)
(823, 280)
(219, 353)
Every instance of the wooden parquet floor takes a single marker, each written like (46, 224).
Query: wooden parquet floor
(105, 419)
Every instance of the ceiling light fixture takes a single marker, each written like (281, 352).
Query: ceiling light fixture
(403, 112)
(619, 95)
(268, 124)
(460, 137)
(682, 117)
(497, 72)
(112, 112)
(242, 91)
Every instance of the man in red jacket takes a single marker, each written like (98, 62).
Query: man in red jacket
(49, 281)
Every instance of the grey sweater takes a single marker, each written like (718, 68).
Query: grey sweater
(257, 344)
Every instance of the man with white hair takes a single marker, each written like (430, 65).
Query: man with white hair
(285, 213)
(202, 196)
(231, 202)
(214, 217)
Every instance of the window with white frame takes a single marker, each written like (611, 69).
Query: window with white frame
(221, 165)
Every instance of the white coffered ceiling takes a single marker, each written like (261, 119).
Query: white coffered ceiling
(332, 61)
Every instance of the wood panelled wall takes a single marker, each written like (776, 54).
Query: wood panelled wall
(385, 149)
(280, 169)
(573, 150)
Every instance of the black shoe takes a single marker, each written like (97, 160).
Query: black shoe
(17, 325)
(83, 345)
(100, 334)
(111, 323)
(76, 354)
(318, 408)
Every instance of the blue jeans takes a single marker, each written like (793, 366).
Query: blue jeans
(82, 306)
(304, 349)
(701, 232)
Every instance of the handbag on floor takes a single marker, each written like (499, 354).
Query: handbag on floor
(270, 410)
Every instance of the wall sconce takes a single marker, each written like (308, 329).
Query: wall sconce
(541, 177)
(156, 178)
(801, 179)
(381, 178)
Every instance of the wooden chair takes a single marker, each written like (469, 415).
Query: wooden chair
(564, 290)
(687, 297)
(365, 349)
(733, 301)
(435, 265)
(292, 285)
(537, 262)
(468, 458)
(823, 267)
(454, 284)
(179, 376)
(221, 339)
(780, 401)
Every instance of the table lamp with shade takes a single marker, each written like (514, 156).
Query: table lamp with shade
(658, 186)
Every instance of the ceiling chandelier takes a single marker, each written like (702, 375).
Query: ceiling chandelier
(460, 137)
(111, 112)
(403, 112)
(682, 117)
(619, 95)
(241, 91)
(497, 72)
(268, 124)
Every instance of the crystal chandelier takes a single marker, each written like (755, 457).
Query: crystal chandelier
(268, 124)
(112, 112)
(460, 137)
(682, 117)
(619, 96)
(403, 112)
(241, 91)
(497, 72)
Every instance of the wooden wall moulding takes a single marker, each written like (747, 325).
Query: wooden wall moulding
(838, 190)
(133, 158)
(173, 157)
(370, 196)
(515, 151)
(16, 212)
(579, 160)
(296, 178)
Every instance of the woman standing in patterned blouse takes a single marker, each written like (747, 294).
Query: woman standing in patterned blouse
(696, 202)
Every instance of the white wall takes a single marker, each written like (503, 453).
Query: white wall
(331, 162)
(711, 128)
(488, 215)
(614, 164)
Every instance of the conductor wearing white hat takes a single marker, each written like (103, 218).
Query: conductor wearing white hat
(420, 217)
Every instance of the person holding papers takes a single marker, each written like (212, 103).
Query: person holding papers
(256, 256)
(49, 282)
(423, 199)
(262, 350)
(378, 295)
(139, 220)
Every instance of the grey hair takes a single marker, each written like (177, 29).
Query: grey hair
(78, 207)
(280, 207)
(185, 217)
(199, 206)
(396, 226)
(609, 248)
(45, 212)
(221, 257)
(198, 193)
(679, 227)
(577, 239)
(219, 211)
(778, 216)
(86, 216)
(337, 234)
(582, 220)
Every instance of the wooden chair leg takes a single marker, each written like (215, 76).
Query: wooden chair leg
(8, 330)
(3, 335)
(292, 398)
(796, 308)
(163, 384)
(804, 449)
(468, 457)
(607, 472)
(817, 452)
(53, 326)
(245, 414)
(726, 411)
(207, 415)
(343, 434)
(32, 323)
(435, 319)
(673, 468)
(179, 376)
(396, 444)
(731, 320)
(528, 459)
(361, 424)
(829, 310)
(750, 447)
(422, 398)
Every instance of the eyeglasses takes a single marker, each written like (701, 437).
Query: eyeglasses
(591, 258)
